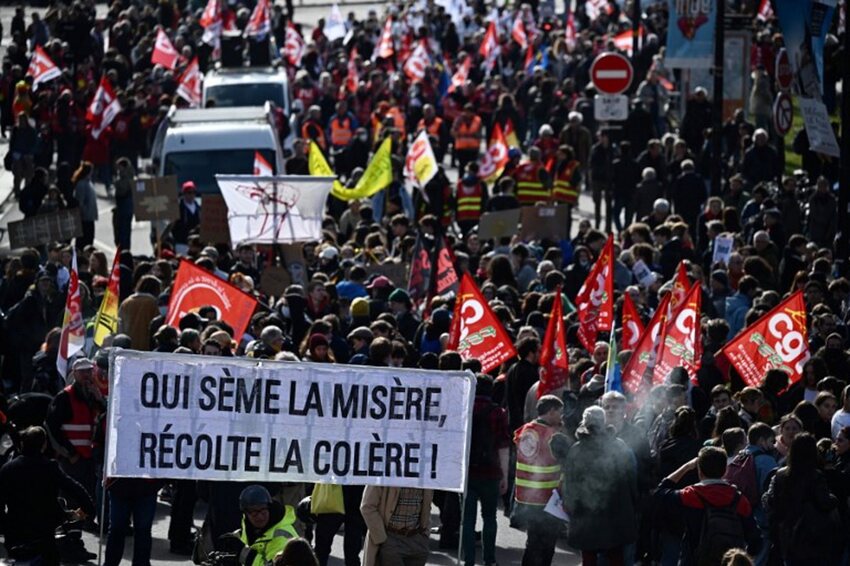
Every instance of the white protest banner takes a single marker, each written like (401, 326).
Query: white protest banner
(645, 277)
(722, 249)
(238, 419)
(818, 127)
(274, 210)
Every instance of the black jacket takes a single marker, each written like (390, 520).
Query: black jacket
(29, 508)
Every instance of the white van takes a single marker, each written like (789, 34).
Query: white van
(197, 144)
(246, 86)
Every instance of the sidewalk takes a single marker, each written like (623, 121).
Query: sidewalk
(6, 199)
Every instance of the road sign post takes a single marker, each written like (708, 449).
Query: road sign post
(611, 73)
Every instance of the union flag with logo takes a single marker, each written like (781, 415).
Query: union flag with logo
(595, 299)
(778, 340)
(476, 332)
(681, 340)
(554, 362)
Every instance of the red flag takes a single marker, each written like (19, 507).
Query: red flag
(103, 109)
(293, 48)
(163, 51)
(489, 49)
(643, 355)
(353, 76)
(595, 299)
(554, 362)
(765, 11)
(571, 37)
(493, 162)
(681, 287)
(518, 33)
(476, 332)
(420, 285)
(632, 325)
(211, 21)
(680, 343)
(195, 287)
(262, 168)
(385, 48)
(42, 69)
(461, 75)
(623, 41)
(778, 340)
(189, 85)
(260, 23)
(73, 335)
(415, 65)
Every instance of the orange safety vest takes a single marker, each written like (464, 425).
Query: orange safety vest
(433, 129)
(80, 429)
(315, 133)
(537, 470)
(467, 134)
(398, 120)
(563, 189)
(529, 188)
(341, 132)
(468, 202)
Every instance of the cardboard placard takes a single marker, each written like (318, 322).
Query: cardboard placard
(395, 272)
(274, 280)
(156, 199)
(214, 227)
(499, 224)
(544, 222)
(645, 277)
(722, 249)
(56, 226)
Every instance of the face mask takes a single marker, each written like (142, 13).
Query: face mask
(163, 310)
(583, 262)
(363, 137)
(284, 311)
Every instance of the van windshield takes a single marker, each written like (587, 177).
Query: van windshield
(246, 94)
(202, 166)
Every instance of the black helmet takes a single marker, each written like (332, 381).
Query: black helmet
(254, 496)
(303, 511)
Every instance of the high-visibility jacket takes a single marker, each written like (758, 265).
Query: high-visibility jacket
(563, 189)
(273, 540)
(433, 129)
(80, 429)
(341, 131)
(468, 201)
(537, 470)
(312, 130)
(529, 187)
(467, 134)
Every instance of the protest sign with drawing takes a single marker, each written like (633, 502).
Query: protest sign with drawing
(235, 419)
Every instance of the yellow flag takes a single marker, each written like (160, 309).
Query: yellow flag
(378, 174)
(318, 166)
(106, 321)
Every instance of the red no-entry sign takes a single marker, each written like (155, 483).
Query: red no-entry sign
(611, 73)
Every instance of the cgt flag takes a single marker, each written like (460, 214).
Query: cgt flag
(493, 162)
(260, 23)
(103, 109)
(106, 320)
(42, 69)
(163, 51)
(195, 287)
(422, 283)
(554, 362)
(73, 335)
(595, 299)
(778, 340)
(262, 168)
(189, 85)
(632, 324)
(476, 332)
(681, 343)
(681, 286)
(642, 359)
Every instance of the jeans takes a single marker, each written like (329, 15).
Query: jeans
(143, 509)
(487, 491)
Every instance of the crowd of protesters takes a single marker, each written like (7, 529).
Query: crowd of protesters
(705, 470)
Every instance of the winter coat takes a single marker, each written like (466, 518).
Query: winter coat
(600, 492)
(134, 319)
(87, 199)
(644, 197)
(377, 507)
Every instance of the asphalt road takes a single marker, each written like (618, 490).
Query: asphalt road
(510, 541)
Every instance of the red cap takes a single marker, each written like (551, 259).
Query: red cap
(189, 186)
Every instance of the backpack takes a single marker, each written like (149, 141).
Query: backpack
(722, 529)
(481, 449)
(741, 472)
